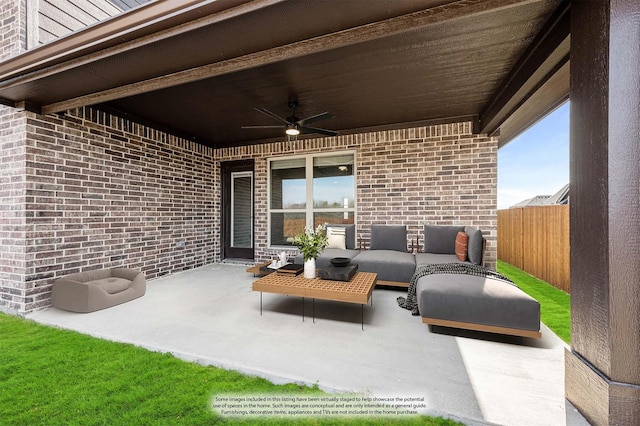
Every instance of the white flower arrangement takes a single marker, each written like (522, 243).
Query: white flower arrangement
(311, 242)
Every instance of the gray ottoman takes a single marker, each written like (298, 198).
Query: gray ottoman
(477, 303)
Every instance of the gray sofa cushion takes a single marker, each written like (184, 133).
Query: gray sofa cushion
(423, 259)
(475, 244)
(390, 265)
(441, 239)
(477, 300)
(389, 237)
(350, 236)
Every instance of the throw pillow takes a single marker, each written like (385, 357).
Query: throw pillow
(336, 237)
(350, 234)
(462, 243)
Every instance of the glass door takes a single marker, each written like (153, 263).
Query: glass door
(242, 210)
(238, 210)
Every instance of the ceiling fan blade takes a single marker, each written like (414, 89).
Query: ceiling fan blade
(307, 129)
(261, 127)
(272, 115)
(314, 118)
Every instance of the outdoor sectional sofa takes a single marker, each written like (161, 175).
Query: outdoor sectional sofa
(467, 297)
(387, 254)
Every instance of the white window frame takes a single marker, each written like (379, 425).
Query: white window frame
(309, 209)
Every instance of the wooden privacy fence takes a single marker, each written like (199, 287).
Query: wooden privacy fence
(536, 240)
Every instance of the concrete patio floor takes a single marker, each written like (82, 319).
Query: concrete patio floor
(209, 315)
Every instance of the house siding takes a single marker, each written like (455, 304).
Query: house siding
(55, 19)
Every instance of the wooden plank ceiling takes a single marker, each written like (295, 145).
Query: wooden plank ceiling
(198, 68)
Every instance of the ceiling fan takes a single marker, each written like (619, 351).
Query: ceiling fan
(293, 125)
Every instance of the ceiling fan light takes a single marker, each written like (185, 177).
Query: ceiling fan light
(292, 130)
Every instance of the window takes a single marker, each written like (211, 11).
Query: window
(309, 190)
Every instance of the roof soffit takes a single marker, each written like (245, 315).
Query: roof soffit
(421, 58)
(286, 50)
(543, 68)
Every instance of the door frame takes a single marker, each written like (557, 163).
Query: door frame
(227, 168)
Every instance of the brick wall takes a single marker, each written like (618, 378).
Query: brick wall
(86, 190)
(12, 160)
(439, 174)
(12, 207)
(13, 34)
(103, 192)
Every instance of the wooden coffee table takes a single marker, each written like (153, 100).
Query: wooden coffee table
(357, 290)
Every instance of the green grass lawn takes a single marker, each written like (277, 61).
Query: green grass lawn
(555, 305)
(50, 376)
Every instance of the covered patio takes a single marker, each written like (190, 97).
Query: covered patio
(209, 315)
(115, 141)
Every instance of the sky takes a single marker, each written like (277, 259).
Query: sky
(330, 189)
(536, 162)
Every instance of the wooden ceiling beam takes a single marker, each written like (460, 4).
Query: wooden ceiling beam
(392, 26)
(546, 51)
